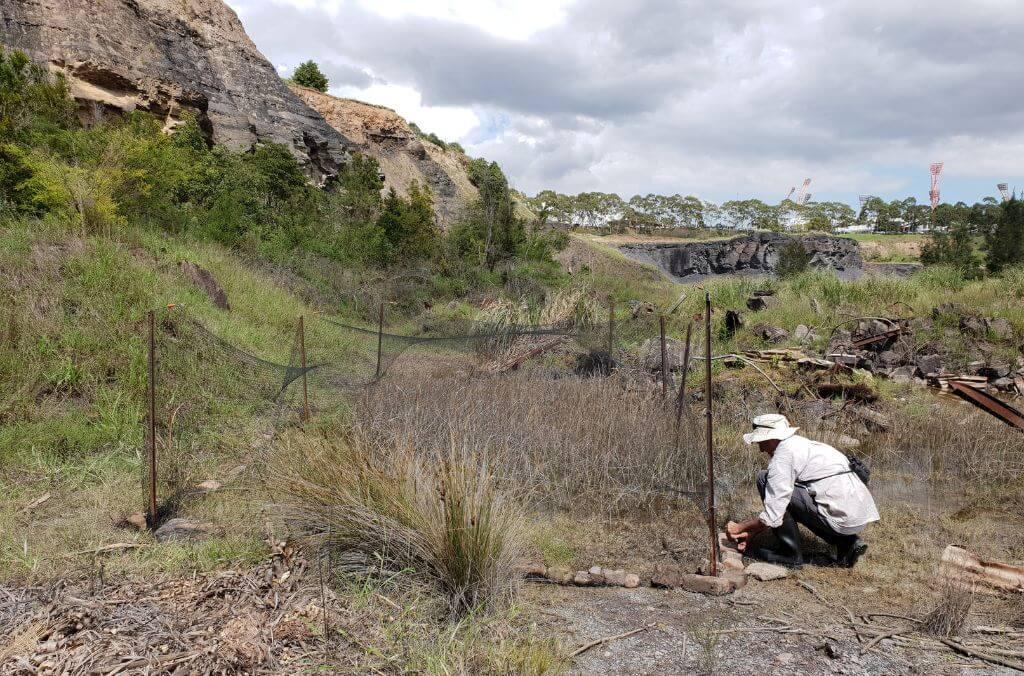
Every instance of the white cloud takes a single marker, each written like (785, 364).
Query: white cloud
(722, 99)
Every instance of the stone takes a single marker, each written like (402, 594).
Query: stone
(137, 521)
(770, 334)
(929, 364)
(582, 579)
(995, 371)
(903, 374)
(209, 485)
(674, 576)
(756, 304)
(733, 322)
(559, 575)
(784, 658)
(973, 325)
(596, 575)
(765, 572)
(974, 368)
(632, 581)
(532, 569)
(999, 328)
(173, 59)
(615, 578)
(804, 334)
(737, 578)
(731, 560)
(1004, 384)
(183, 530)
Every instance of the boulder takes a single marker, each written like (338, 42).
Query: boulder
(674, 576)
(1004, 384)
(929, 364)
(756, 304)
(903, 374)
(995, 371)
(202, 278)
(1000, 328)
(760, 570)
(973, 325)
(183, 530)
(559, 575)
(770, 334)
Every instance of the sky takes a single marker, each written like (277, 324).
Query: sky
(722, 99)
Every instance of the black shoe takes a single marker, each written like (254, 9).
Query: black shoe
(848, 555)
(772, 556)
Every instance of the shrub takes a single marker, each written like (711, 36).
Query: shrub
(1006, 242)
(794, 258)
(954, 248)
(441, 519)
(308, 74)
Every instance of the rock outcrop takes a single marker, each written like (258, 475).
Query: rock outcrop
(168, 57)
(381, 133)
(756, 253)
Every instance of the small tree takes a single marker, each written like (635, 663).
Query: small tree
(1006, 241)
(308, 74)
(794, 258)
(954, 248)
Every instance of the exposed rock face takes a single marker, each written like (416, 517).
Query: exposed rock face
(168, 57)
(757, 253)
(381, 133)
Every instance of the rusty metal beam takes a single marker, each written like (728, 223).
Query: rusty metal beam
(877, 338)
(985, 401)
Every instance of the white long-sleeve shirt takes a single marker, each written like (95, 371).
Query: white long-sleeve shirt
(844, 501)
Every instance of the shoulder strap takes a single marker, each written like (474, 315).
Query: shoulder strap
(822, 478)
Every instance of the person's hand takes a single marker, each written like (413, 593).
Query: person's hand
(733, 530)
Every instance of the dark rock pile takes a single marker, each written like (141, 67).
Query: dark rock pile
(757, 253)
(895, 349)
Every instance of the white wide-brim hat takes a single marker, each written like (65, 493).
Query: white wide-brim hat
(770, 426)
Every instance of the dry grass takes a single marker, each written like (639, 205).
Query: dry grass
(952, 608)
(601, 441)
(439, 517)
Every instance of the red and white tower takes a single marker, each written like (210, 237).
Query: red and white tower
(1004, 190)
(801, 197)
(933, 194)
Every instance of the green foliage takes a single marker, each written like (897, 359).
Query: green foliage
(953, 248)
(407, 226)
(308, 74)
(794, 258)
(1005, 243)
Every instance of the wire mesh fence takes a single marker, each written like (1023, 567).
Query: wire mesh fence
(205, 387)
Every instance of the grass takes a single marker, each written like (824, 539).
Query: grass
(440, 518)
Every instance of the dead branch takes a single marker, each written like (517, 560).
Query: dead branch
(584, 648)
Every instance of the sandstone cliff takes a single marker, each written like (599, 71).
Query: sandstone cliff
(167, 57)
(757, 253)
(381, 133)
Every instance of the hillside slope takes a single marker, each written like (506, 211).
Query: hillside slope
(383, 134)
(169, 57)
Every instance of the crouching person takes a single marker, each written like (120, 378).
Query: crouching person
(807, 483)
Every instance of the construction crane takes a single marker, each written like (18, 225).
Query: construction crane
(1004, 191)
(933, 195)
(801, 197)
(807, 198)
(790, 194)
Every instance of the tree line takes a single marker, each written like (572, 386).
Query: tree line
(662, 212)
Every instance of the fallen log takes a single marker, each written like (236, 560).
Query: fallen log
(961, 565)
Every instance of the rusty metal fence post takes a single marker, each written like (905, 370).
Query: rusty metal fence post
(712, 517)
(681, 401)
(302, 356)
(380, 339)
(611, 330)
(664, 357)
(151, 431)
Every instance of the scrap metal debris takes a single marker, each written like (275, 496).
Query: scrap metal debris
(986, 402)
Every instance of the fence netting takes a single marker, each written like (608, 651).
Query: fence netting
(209, 392)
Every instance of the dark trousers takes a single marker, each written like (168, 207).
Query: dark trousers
(804, 511)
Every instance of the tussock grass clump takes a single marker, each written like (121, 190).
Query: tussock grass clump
(439, 517)
(952, 608)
